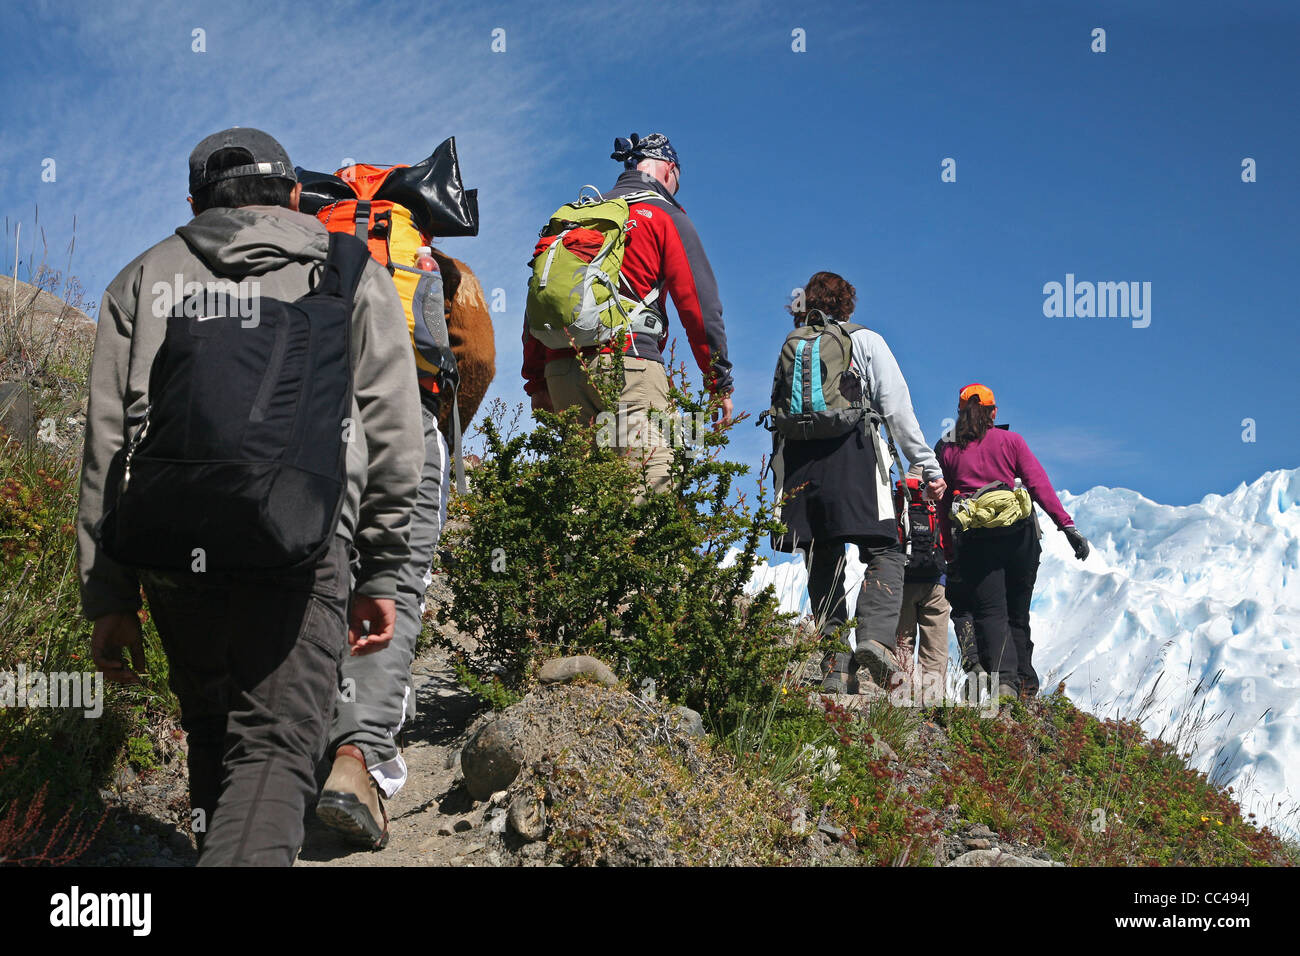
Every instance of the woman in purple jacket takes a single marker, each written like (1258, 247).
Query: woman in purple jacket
(992, 570)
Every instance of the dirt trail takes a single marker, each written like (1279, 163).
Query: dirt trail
(145, 825)
(430, 801)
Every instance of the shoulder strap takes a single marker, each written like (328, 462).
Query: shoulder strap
(344, 265)
(642, 196)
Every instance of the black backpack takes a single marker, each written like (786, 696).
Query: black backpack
(925, 557)
(240, 461)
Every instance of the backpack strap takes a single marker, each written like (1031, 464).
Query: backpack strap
(461, 487)
(362, 219)
(872, 419)
(344, 265)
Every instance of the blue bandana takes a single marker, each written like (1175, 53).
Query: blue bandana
(655, 146)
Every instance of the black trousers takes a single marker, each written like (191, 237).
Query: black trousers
(992, 581)
(879, 601)
(254, 662)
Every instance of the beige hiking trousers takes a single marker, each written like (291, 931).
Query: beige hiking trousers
(925, 608)
(634, 428)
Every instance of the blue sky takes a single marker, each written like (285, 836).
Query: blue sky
(1115, 166)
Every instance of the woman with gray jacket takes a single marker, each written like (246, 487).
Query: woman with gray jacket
(842, 494)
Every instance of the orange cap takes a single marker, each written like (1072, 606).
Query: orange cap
(982, 394)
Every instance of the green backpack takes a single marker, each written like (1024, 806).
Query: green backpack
(816, 391)
(574, 295)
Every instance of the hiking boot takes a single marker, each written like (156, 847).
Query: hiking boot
(878, 661)
(350, 803)
(837, 674)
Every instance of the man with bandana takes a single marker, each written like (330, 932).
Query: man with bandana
(663, 252)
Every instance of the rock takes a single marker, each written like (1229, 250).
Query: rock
(445, 829)
(978, 843)
(884, 751)
(560, 670)
(799, 821)
(980, 830)
(124, 778)
(496, 823)
(462, 826)
(830, 830)
(691, 722)
(179, 842)
(17, 412)
(994, 858)
(816, 849)
(953, 808)
(492, 759)
(452, 761)
(498, 798)
(527, 817)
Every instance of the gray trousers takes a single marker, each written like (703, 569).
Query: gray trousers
(880, 598)
(375, 692)
(252, 660)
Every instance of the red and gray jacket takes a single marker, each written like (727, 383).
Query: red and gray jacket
(662, 246)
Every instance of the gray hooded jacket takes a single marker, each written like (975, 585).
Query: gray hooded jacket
(279, 248)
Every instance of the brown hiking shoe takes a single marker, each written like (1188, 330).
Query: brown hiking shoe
(350, 803)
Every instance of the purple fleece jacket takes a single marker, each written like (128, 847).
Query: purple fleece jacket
(1000, 455)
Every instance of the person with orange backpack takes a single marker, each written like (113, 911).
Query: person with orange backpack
(925, 606)
(398, 211)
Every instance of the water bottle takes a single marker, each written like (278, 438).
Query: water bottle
(424, 260)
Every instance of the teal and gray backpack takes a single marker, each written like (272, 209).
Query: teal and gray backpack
(816, 391)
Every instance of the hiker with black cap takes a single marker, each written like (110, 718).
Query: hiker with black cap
(243, 442)
(837, 385)
(662, 255)
(991, 531)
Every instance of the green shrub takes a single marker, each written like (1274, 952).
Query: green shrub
(54, 761)
(554, 552)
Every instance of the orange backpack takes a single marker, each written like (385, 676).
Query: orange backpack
(395, 210)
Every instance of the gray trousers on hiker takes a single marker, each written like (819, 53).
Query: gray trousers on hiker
(375, 693)
(879, 600)
(252, 659)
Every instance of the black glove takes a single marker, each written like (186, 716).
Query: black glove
(1077, 541)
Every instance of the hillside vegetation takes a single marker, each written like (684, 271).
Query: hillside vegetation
(552, 554)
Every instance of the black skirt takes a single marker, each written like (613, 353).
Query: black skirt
(837, 492)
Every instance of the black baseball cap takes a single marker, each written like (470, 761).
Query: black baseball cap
(268, 157)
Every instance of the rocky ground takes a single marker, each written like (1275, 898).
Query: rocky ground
(575, 773)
